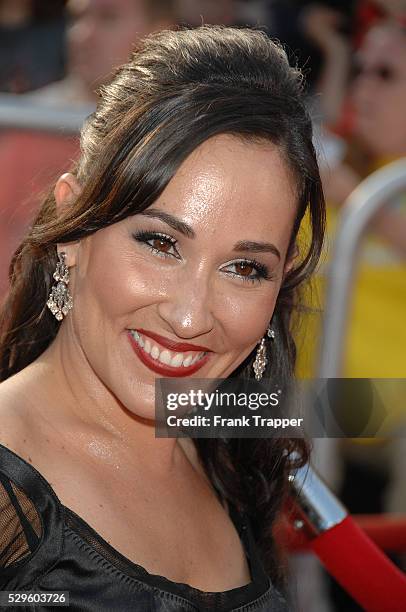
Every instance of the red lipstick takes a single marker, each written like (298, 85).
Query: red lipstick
(171, 345)
(161, 368)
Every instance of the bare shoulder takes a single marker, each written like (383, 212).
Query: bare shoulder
(15, 406)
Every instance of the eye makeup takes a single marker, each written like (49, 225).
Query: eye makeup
(163, 245)
(260, 271)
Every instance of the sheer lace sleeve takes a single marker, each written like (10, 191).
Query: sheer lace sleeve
(20, 524)
(31, 523)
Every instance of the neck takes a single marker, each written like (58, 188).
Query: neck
(91, 417)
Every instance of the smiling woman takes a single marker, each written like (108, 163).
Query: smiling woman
(169, 250)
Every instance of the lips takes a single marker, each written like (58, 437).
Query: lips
(170, 344)
(167, 357)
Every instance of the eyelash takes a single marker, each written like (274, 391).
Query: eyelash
(144, 237)
(261, 271)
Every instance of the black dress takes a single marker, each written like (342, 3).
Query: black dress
(46, 547)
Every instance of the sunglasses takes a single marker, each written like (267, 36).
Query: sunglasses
(382, 73)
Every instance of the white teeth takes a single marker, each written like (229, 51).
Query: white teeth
(177, 360)
(165, 357)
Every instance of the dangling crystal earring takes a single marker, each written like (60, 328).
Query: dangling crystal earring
(261, 360)
(60, 300)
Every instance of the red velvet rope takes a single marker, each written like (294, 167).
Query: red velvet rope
(355, 561)
(361, 567)
(388, 531)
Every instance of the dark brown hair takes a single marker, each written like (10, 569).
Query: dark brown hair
(179, 89)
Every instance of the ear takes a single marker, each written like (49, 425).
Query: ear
(67, 190)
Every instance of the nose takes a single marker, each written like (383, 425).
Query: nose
(187, 308)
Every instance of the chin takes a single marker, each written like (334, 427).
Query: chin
(144, 412)
(139, 401)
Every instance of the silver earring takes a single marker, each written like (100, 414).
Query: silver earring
(261, 360)
(60, 300)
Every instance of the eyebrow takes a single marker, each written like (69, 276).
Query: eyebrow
(249, 246)
(256, 247)
(170, 220)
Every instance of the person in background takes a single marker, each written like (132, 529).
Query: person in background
(378, 135)
(196, 12)
(375, 135)
(31, 44)
(101, 36)
(377, 96)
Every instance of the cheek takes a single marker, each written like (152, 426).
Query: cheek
(396, 117)
(246, 317)
(115, 285)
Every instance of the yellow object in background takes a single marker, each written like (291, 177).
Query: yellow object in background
(375, 339)
(375, 342)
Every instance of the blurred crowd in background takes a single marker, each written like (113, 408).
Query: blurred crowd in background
(57, 53)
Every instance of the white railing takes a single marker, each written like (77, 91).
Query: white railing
(368, 198)
(23, 113)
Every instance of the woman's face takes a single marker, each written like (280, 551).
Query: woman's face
(379, 92)
(188, 287)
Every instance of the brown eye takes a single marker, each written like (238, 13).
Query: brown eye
(244, 268)
(249, 270)
(160, 244)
